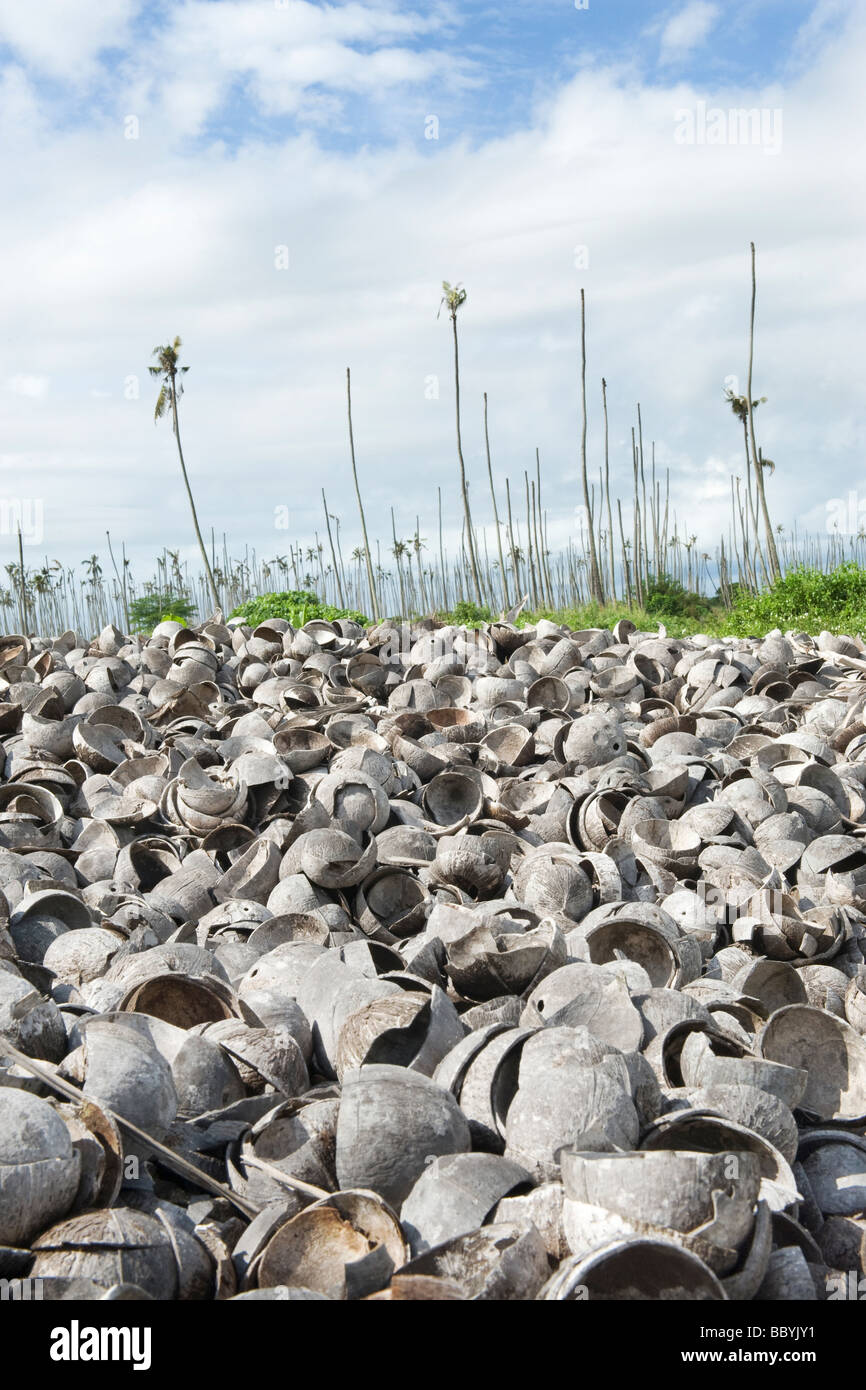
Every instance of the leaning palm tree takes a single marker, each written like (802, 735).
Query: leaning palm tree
(171, 388)
(453, 296)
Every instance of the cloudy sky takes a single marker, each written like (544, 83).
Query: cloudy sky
(285, 184)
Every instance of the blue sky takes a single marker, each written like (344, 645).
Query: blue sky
(259, 125)
(495, 62)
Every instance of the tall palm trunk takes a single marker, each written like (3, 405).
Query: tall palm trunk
(751, 512)
(463, 488)
(515, 568)
(759, 470)
(532, 581)
(22, 587)
(374, 597)
(542, 550)
(595, 585)
(337, 577)
(611, 564)
(443, 574)
(398, 556)
(503, 576)
(417, 546)
(211, 582)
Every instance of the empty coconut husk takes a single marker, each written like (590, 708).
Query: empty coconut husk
(415, 963)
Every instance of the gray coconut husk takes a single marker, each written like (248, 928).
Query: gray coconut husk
(519, 890)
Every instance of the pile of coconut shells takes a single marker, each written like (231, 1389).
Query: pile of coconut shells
(424, 963)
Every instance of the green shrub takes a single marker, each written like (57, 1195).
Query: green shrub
(807, 600)
(467, 614)
(150, 609)
(667, 598)
(296, 606)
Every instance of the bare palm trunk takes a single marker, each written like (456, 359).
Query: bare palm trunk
(610, 542)
(532, 581)
(505, 598)
(463, 488)
(545, 593)
(625, 564)
(421, 585)
(371, 582)
(759, 471)
(337, 578)
(595, 585)
(751, 510)
(636, 556)
(444, 574)
(201, 545)
(545, 567)
(514, 563)
(646, 549)
(22, 590)
(398, 558)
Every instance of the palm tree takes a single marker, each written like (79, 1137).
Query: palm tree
(453, 296)
(740, 406)
(170, 389)
(419, 543)
(756, 458)
(94, 571)
(398, 550)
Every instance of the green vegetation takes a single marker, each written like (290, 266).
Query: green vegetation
(666, 598)
(150, 609)
(467, 614)
(807, 600)
(296, 606)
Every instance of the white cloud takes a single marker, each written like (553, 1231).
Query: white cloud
(60, 37)
(111, 246)
(688, 29)
(32, 387)
(283, 54)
